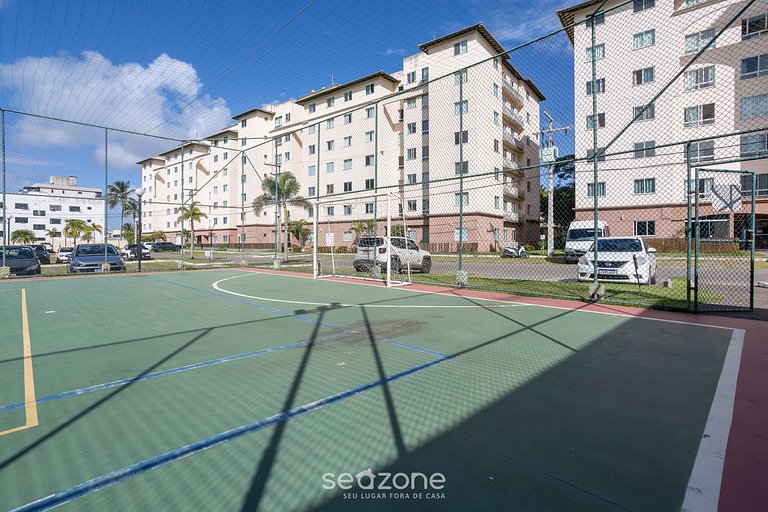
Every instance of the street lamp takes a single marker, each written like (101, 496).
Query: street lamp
(139, 192)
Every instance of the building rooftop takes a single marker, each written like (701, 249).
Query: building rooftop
(527, 81)
(35, 187)
(337, 87)
(479, 27)
(250, 111)
(566, 15)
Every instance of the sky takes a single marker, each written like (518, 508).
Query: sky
(181, 69)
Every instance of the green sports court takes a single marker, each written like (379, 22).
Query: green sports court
(246, 390)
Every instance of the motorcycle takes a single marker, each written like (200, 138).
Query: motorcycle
(514, 251)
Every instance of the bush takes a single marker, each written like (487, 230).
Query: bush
(295, 248)
(342, 249)
(531, 247)
(221, 247)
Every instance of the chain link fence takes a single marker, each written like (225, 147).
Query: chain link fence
(641, 164)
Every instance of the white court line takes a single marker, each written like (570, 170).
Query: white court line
(703, 492)
(216, 286)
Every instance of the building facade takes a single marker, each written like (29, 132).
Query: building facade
(413, 133)
(639, 48)
(45, 206)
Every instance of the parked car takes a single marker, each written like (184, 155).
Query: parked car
(42, 254)
(581, 235)
(64, 254)
(148, 245)
(21, 259)
(165, 247)
(620, 259)
(131, 251)
(91, 257)
(372, 250)
(48, 246)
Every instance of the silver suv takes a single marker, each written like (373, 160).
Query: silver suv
(372, 250)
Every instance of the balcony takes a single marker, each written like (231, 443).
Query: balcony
(514, 118)
(513, 191)
(512, 93)
(514, 217)
(514, 142)
(511, 166)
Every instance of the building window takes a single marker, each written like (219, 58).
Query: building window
(329, 145)
(644, 39)
(425, 126)
(645, 228)
(425, 152)
(348, 96)
(311, 170)
(753, 27)
(754, 145)
(312, 108)
(312, 128)
(329, 188)
(369, 89)
(330, 102)
(288, 118)
(752, 67)
(425, 101)
(463, 197)
(695, 42)
(329, 166)
(600, 154)
(348, 211)
(645, 149)
(699, 115)
(370, 184)
(599, 86)
(411, 128)
(460, 107)
(347, 186)
(55, 221)
(243, 123)
(600, 121)
(411, 154)
(278, 121)
(370, 112)
(600, 189)
(645, 186)
(311, 191)
(460, 47)
(424, 75)
(641, 5)
(703, 151)
(411, 77)
(496, 145)
(699, 78)
(754, 106)
(596, 52)
(496, 90)
(461, 167)
(347, 118)
(460, 77)
(644, 112)
(368, 207)
(329, 211)
(460, 234)
(411, 179)
(347, 164)
(369, 159)
(642, 76)
(74, 208)
(496, 118)
(329, 123)
(312, 149)
(463, 139)
(410, 103)
(599, 19)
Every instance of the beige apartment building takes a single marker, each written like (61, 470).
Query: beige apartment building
(407, 132)
(639, 48)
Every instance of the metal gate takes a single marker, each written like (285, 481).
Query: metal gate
(721, 242)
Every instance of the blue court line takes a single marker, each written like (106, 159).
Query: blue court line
(298, 317)
(171, 371)
(109, 479)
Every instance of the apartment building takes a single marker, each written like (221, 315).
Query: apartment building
(639, 48)
(442, 115)
(43, 206)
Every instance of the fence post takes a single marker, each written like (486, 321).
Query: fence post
(594, 148)
(689, 228)
(6, 234)
(106, 189)
(461, 167)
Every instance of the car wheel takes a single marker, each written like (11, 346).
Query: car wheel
(652, 279)
(426, 265)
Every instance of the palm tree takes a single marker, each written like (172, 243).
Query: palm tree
(73, 228)
(23, 236)
(90, 230)
(193, 214)
(287, 195)
(53, 234)
(118, 195)
(362, 227)
(129, 233)
(300, 229)
(132, 209)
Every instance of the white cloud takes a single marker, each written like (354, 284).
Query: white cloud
(91, 89)
(394, 51)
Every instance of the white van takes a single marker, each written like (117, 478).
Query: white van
(581, 234)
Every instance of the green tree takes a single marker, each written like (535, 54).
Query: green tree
(362, 227)
(193, 214)
(53, 234)
(74, 228)
(118, 194)
(287, 195)
(564, 196)
(398, 230)
(129, 233)
(89, 231)
(300, 230)
(23, 236)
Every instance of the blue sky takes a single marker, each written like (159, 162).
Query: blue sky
(183, 68)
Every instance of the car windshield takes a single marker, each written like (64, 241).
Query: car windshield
(18, 253)
(65, 249)
(583, 234)
(95, 250)
(619, 245)
(371, 242)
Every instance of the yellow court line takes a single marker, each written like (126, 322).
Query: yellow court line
(30, 402)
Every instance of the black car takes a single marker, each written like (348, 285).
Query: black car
(21, 259)
(165, 247)
(42, 254)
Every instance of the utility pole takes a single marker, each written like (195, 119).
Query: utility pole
(549, 156)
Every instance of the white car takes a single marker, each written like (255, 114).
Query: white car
(625, 259)
(372, 250)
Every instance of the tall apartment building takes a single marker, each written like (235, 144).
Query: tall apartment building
(639, 48)
(384, 131)
(43, 206)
